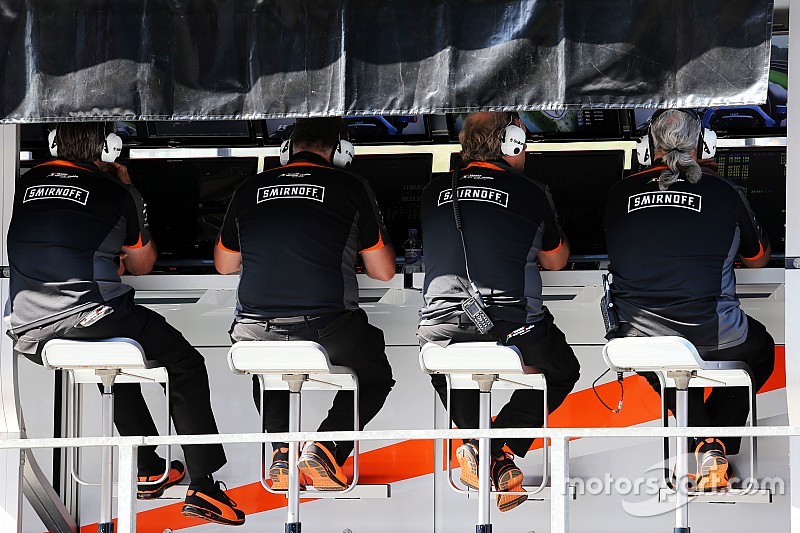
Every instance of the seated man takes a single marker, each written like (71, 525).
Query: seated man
(673, 232)
(295, 233)
(78, 223)
(505, 239)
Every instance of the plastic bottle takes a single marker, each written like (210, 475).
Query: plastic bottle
(413, 252)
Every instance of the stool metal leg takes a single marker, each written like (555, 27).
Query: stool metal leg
(295, 383)
(105, 524)
(682, 463)
(484, 456)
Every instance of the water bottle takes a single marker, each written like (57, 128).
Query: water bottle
(413, 251)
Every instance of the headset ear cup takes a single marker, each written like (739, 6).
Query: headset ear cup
(343, 154)
(513, 141)
(286, 151)
(51, 143)
(112, 148)
(644, 151)
(708, 144)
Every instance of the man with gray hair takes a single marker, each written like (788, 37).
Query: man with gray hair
(673, 233)
(510, 228)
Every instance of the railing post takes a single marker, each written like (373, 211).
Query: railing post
(559, 492)
(126, 489)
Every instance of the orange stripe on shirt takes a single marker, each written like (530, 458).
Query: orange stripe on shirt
(483, 164)
(378, 245)
(759, 255)
(61, 163)
(225, 248)
(554, 250)
(137, 245)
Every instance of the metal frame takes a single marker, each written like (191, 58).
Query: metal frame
(72, 408)
(545, 447)
(559, 458)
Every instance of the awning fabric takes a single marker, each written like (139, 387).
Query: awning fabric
(192, 59)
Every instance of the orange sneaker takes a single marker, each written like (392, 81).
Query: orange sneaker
(149, 491)
(467, 457)
(214, 506)
(507, 477)
(713, 472)
(279, 471)
(320, 468)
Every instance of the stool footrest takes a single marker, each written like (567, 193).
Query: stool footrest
(729, 496)
(366, 492)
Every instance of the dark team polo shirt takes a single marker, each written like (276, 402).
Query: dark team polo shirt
(672, 255)
(507, 219)
(300, 228)
(69, 224)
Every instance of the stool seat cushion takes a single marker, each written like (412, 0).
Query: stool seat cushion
(271, 360)
(665, 354)
(461, 360)
(83, 357)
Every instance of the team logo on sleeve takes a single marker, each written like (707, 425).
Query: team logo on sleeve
(298, 191)
(685, 200)
(56, 192)
(480, 194)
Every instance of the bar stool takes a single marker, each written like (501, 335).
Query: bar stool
(107, 361)
(678, 365)
(294, 365)
(484, 365)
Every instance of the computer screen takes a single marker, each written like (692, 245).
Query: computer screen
(768, 119)
(186, 204)
(579, 183)
(761, 172)
(397, 181)
(362, 128)
(574, 124)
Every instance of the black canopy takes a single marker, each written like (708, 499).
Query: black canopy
(163, 59)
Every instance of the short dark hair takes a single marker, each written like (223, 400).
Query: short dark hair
(81, 142)
(318, 133)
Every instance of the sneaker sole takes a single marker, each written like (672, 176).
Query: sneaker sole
(197, 512)
(280, 479)
(320, 476)
(713, 477)
(510, 482)
(157, 493)
(469, 468)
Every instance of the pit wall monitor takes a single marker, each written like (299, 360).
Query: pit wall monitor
(564, 125)
(186, 203)
(364, 129)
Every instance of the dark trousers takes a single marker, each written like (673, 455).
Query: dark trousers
(350, 341)
(190, 399)
(725, 406)
(543, 346)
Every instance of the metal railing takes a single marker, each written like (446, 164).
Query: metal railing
(559, 456)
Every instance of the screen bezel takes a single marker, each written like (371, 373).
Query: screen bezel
(421, 138)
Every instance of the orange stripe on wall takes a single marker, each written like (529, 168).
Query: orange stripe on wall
(410, 459)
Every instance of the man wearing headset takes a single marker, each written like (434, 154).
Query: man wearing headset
(510, 228)
(673, 233)
(77, 225)
(295, 233)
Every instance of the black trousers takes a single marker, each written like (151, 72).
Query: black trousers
(190, 399)
(725, 406)
(350, 341)
(543, 346)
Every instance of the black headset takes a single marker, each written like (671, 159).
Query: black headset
(706, 141)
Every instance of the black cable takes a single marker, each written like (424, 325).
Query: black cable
(621, 391)
(457, 215)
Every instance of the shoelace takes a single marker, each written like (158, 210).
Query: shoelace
(225, 498)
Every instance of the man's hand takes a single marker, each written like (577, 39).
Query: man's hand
(116, 169)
